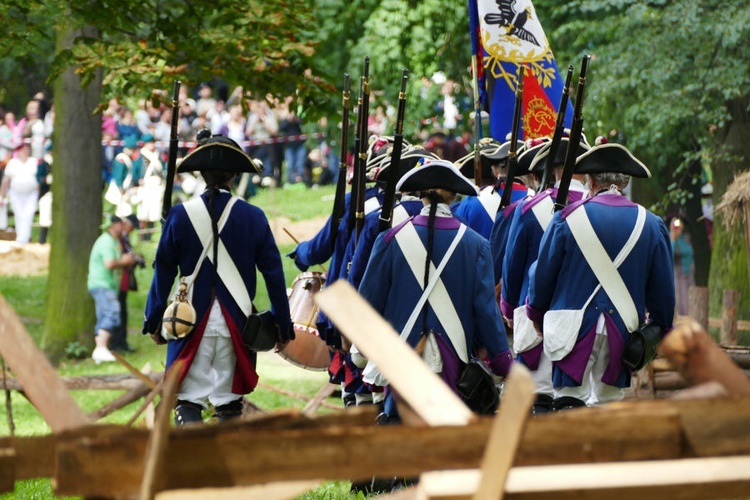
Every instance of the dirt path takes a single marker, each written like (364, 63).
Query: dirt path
(33, 259)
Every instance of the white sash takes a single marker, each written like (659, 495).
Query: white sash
(415, 254)
(225, 268)
(561, 327)
(490, 201)
(543, 211)
(442, 305)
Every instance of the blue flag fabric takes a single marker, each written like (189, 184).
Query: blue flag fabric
(509, 34)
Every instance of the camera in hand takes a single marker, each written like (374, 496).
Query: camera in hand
(140, 261)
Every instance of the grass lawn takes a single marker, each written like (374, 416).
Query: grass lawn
(27, 296)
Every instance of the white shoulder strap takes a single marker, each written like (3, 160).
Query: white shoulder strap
(490, 201)
(416, 254)
(605, 269)
(543, 211)
(225, 268)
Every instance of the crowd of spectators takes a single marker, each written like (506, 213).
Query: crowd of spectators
(268, 129)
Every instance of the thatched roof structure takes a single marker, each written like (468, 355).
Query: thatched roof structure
(735, 200)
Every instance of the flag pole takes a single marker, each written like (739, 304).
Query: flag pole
(477, 120)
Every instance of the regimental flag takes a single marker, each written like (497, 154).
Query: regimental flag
(509, 35)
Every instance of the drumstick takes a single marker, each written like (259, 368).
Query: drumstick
(297, 242)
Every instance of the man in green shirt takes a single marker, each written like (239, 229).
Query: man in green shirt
(105, 263)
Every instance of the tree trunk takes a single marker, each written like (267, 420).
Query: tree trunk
(77, 206)
(729, 268)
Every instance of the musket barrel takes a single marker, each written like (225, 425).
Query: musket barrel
(549, 165)
(386, 214)
(338, 202)
(363, 144)
(576, 130)
(172, 158)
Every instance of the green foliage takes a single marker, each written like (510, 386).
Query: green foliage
(76, 350)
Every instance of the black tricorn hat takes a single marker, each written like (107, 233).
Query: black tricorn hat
(611, 157)
(218, 153)
(491, 153)
(531, 149)
(562, 150)
(410, 157)
(436, 174)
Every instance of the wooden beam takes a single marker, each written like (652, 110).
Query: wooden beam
(699, 359)
(698, 304)
(89, 464)
(729, 317)
(697, 478)
(324, 393)
(121, 382)
(296, 395)
(506, 433)
(742, 325)
(120, 402)
(281, 490)
(7, 469)
(34, 455)
(39, 379)
(153, 468)
(151, 384)
(407, 373)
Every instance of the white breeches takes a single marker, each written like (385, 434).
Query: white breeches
(24, 207)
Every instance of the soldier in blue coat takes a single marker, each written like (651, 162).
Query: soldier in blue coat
(499, 234)
(324, 246)
(459, 311)
(479, 212)
(217, 241)
(530, 218)
(585, 316)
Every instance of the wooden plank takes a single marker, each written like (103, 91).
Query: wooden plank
(698, 304)
(419, 386)
(137, 373)
(119, 382)
(35, 455)
(39, 379)
(296, 395)
(699, 359)
(92, 465)
(650, 480)
(742, 325)
(120, 402)
(147, 402)
(324, 393)
(272, 491)
(7, 469)
(153, 468)
(506, 433)
(729, 317)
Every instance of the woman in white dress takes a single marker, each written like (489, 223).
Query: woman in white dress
(21, 189)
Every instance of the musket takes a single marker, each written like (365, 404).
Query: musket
(576, 129)
(477, 122)
(338, 203)
(352, 214)
(363, 144)
(386, 213)
(549, 164)
(172, 158)
(512, 156)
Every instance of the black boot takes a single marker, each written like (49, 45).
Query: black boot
(186, 413)
(568, 403)
(229, 410)
(543, 404)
